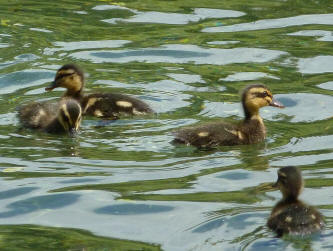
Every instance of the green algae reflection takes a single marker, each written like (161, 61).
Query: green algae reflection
(30, 237)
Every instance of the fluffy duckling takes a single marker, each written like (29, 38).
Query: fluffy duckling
(290, 215)
(103, 105)
(64, 117)
(251, 130)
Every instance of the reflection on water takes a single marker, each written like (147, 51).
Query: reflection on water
(38, 203)
(246, 76)
(72, 46)
(181, 54)
(276, 23)
(318, 64)
(323, 35)
(327, 85)
(123, 179)
(12, 82)
(129, 209)
(169, 18)
(43, 238)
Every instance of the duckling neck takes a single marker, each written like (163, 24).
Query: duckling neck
(249, 113)
(253, 126)
(285, 202)
(74, 94)
(290, 198)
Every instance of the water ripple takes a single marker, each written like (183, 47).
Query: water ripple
(169, 18)
(181, 54)
(72, 46)
(275, 23)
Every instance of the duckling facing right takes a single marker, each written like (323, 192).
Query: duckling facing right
(64, 117)
(290, 215)
(250, 131)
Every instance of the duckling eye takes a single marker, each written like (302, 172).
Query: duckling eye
(63, 76)
(265, 93)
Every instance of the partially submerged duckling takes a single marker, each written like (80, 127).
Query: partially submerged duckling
(64, 117)
(103, 105)
(251, 130)
(290, 215)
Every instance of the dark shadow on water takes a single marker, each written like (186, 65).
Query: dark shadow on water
(268, 244)
(104, 122)
(38, 203)
(286, 243)
(70, 146)
(234, 222)
(252, 158)
(72, 181)
(133, 209)
(242, 220)
(16, 192)
(234, 176)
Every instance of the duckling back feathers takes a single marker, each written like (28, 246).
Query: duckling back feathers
(220, 133)
(290, 215)
(36, 115)
(251, 130)
(295, 218)
(52, 117)
(103, 105)
(113, 104)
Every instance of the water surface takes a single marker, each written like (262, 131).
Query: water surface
(122, 184)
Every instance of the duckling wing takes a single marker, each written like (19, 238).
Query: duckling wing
(210, 135)
(110, 105)
(36, 115)
(296, 219)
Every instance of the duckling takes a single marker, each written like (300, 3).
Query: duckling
(290, 215)
(250, 131)
(64, 117)
(103, 105)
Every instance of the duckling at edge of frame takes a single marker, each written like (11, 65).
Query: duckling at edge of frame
(290, 215)
(250, 131)
(102, 105)
(64, 117)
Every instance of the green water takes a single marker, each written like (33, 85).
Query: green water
(122, 184)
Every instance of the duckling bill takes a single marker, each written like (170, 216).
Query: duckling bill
(290, 215)
(64, 117)
(250, 131)
(102, 105)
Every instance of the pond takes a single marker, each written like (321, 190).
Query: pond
(121, 185)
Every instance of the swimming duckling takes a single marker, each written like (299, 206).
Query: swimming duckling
(64, 117)
(291, 215)
(251, 130)
(103, 105)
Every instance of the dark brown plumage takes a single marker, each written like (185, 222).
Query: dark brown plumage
(290, 215)
(64, 117)
(103, 105)
(251, 130)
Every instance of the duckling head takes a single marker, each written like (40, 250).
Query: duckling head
(289, 182)
(256, 96)
(69, 76)
(70, 115)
